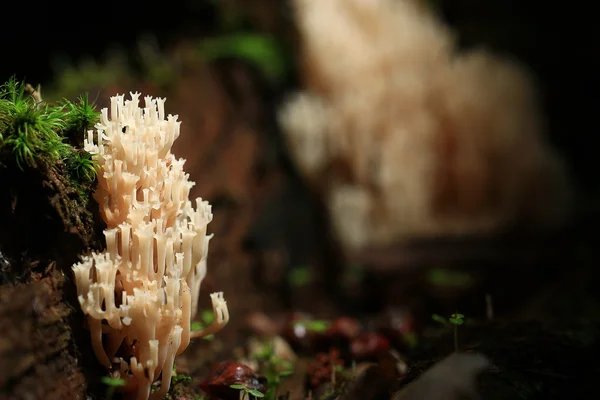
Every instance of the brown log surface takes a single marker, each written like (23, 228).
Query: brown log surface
(36, 357)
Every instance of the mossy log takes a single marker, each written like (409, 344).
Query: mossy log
(44, 347)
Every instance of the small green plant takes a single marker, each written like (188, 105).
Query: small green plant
(273, 368)
(455, 320)
(113, 384)
(247, 391)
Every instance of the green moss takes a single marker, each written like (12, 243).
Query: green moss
(29, 128)
(81, 166)
(80, 117)
(35, 135)
(32, 130)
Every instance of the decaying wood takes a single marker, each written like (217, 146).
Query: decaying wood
(44, 226)
(36, 355)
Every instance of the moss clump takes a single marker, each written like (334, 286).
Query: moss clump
(80, 116)
(40, 145)
(34, 132)
(28, 127)
(81, 166)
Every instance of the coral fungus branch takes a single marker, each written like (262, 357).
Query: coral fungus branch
(141, 292)
(221, 314)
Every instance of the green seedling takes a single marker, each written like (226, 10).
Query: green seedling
(113, 384)
(247, 391)
(273, 368)
(455, 320)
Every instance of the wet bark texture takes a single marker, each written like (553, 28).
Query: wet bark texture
(37, 360)
(43, 228)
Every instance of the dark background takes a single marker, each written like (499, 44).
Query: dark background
(559, 42)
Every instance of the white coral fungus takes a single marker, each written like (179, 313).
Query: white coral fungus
(410, 137)
(141, 293)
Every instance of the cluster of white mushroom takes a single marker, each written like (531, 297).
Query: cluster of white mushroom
(141, 293)
(408, 137)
